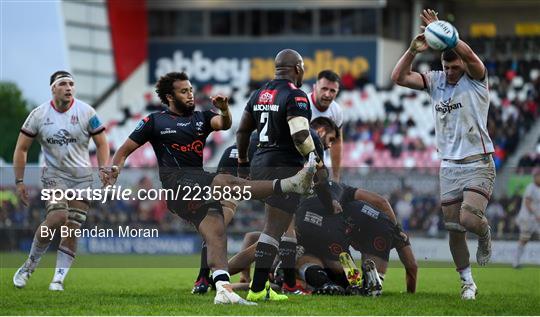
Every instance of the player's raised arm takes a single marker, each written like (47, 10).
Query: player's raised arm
(224, 120)
(403, 74)
(473, 65)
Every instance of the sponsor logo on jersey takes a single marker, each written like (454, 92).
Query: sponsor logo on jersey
(197, 147)
(141, 124)
(313, 218)
(335, 248)
(48, 122)
(62, 137)
(233, 154)
(266, 97)
(199, 127)
(274, 108)
(301, 103)
(183, 124)
(94, 122)
(370, 212)
(167, 131)
(447, 107)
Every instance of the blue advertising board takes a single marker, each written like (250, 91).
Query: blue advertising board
(238, 63)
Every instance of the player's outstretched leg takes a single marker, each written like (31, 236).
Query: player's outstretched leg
(302, 181)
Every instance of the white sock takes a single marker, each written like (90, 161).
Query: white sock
(466, 275)
(519, 253)
(64, 259)
(36, 251)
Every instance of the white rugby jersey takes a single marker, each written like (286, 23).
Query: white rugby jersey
(460, 113)
(64, 137)
(532, 192)
(333, 112)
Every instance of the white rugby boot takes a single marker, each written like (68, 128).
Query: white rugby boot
(371, 279)
(20, 278)
(225, 295)
(483, 252)
(468, 291)
(302, 182)
(56, 286)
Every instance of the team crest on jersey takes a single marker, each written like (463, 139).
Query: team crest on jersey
(266, 97)
(74, 120)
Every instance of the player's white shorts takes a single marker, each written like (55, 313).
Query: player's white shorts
(64, 184)
(527, 228)
(477, 176)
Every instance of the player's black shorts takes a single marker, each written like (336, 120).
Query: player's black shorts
(185, 205)
(374, 236)
(268, 166)
(321, 235)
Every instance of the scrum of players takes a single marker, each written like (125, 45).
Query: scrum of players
(279, 154)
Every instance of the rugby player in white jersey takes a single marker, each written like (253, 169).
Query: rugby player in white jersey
(63, 127)
(528, 218)
(323, 104)
(460, 103)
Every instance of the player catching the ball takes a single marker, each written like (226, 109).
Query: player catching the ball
(460, 99)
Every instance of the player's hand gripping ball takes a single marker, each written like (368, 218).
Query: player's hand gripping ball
(441, 35)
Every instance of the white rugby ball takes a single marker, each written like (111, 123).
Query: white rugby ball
(441, 35)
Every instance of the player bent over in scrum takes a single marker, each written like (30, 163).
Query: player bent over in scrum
(179, 152)
(368, 225)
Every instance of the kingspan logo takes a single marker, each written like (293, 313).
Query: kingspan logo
(227, 70)
(62, 137)
(447, 107)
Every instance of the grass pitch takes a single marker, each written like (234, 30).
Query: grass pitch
(154, 285)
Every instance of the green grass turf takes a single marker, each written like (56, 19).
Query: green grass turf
(98, 285)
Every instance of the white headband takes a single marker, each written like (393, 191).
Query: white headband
(65, 77)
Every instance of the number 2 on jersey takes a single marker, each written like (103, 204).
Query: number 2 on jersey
(264, 120)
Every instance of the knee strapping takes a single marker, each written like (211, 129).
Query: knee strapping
(59, 206)
(454, 226)
(77, 216)
(473, 210)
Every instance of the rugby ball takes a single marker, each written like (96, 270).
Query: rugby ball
(441, 35)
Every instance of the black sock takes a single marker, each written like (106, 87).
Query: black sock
(338, 278)
(264, 257)
(204, 271)
(287, 254)
(316, 276)
(277, 187)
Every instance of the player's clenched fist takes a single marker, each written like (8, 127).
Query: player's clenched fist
(221, 102)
